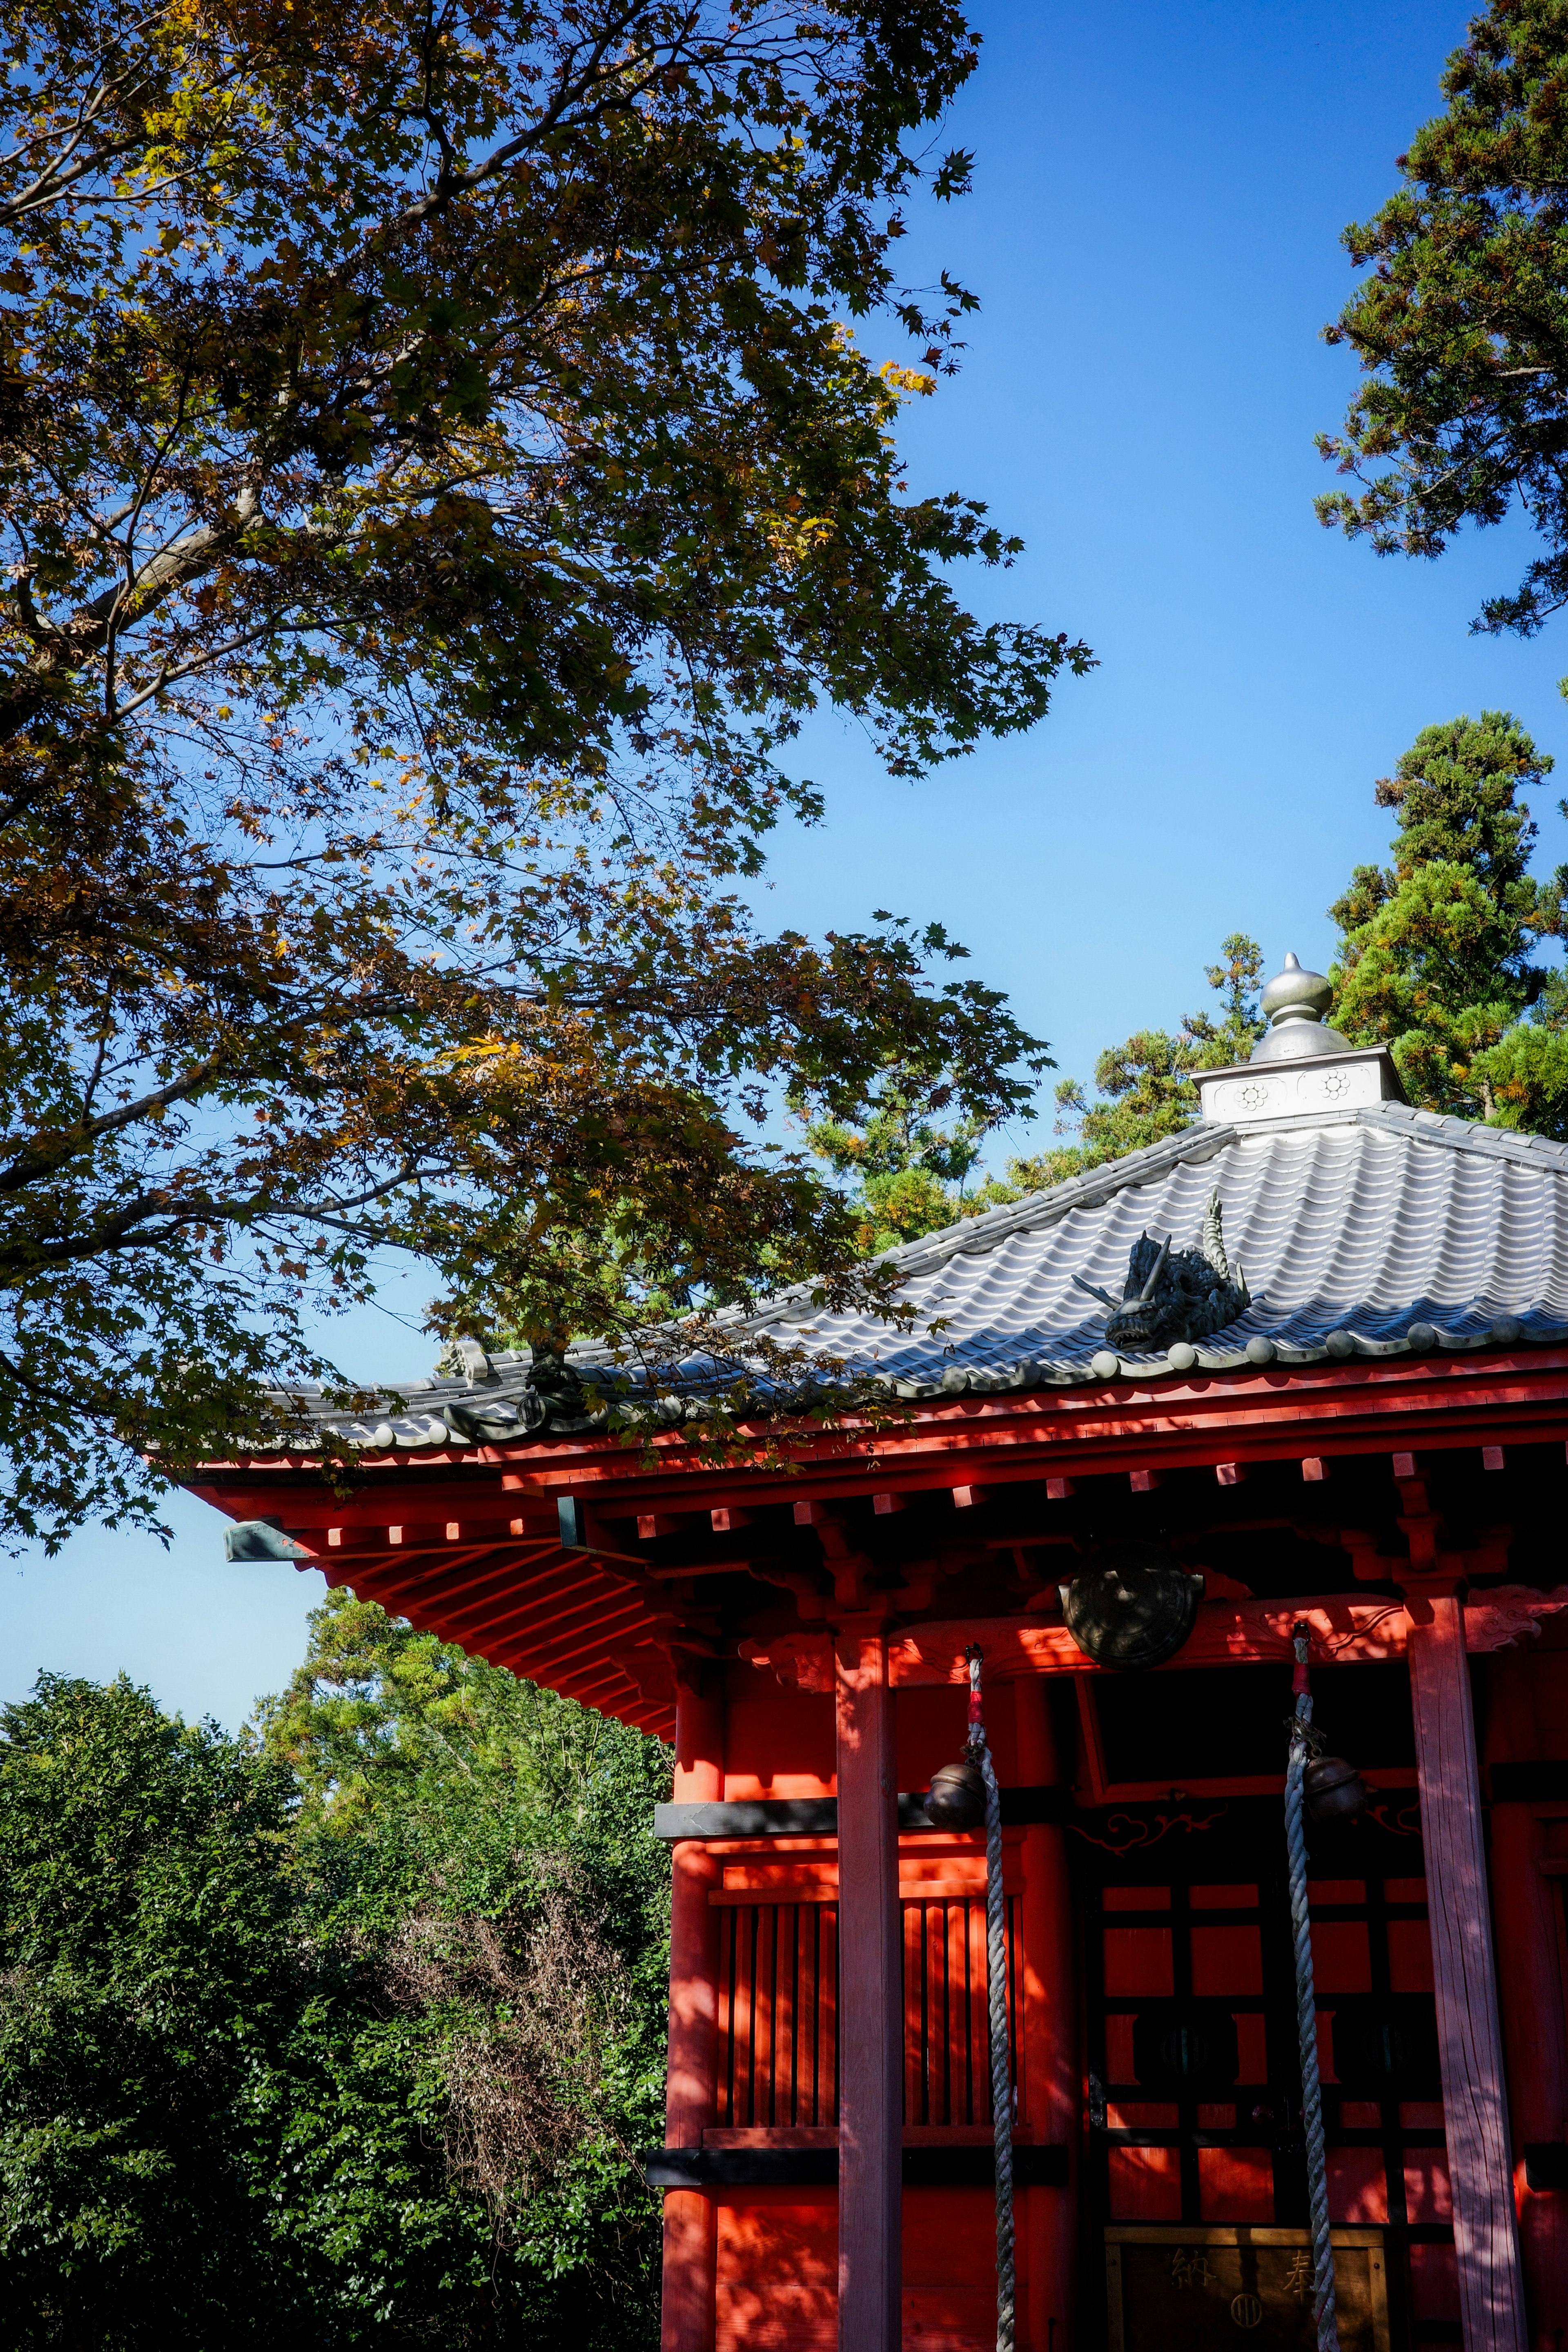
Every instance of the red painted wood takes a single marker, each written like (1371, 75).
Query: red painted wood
(1235, 2184)
(1360, 1407)
(870, 1958)
(1226, 1634)
(1048, 2086)
(1530, 1996)
(691, 2091)
(1491, 2285)
(1145, 2184)
(915, 2109)
(777, 2261)
(1479, 1398)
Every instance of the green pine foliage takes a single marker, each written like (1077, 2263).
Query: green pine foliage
(909, 1176)
(1437, 959)
(1145, 1087)
(906, 1174)
(1460, 322)
(340, 2034)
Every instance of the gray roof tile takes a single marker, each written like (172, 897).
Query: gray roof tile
(1359, 1224)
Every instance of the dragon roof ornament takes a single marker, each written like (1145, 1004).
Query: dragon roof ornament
(1172, 1295)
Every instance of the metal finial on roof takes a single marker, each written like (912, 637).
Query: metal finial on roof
(1296, 1001)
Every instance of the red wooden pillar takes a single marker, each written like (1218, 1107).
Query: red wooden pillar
(1470, 2038)
(690, 2217)
(1051, 2069)
(870, 2019)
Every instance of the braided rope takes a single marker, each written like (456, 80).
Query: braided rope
(996, 1991)
(1307, 2014)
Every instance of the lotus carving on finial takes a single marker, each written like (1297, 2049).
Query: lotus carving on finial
(1172, 1294)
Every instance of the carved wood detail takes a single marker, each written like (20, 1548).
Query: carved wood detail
(1342, 1630)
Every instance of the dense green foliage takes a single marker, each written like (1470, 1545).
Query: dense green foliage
(1437, 959)
(1461, 325)
(440, 469)
(907, 1175)
(340, 2035)
(1145, 1085)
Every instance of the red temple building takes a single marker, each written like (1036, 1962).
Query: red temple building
(1312, 1351)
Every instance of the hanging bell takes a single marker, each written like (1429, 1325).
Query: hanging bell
(956, 1798)
(1131, 1605)
(1333, 1789)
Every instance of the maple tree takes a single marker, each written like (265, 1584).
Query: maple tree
(439, 476)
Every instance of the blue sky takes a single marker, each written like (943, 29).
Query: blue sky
(1154, 236)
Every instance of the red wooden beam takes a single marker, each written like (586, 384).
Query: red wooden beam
(1048, 1964)
(589, 1689)
(1508, 1396)
(384, 1577)
(420, 1572)
(561, 1588)
(427, 1584)
(1530, 1996)
(589, 1642)
(1344, 1629)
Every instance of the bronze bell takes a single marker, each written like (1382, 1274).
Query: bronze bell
(956, 1798)
(1334, 1791)
(1131, 1605)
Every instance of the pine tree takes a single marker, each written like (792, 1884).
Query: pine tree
(1147, 1085)
(1436, 957)
(907, 1173)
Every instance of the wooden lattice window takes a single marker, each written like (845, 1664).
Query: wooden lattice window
(778, 2014)
(947, 2061)
(778, 2045)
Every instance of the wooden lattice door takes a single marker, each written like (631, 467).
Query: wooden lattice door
(1193, 2101)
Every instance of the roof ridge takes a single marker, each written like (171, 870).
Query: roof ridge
(1468, 1134)
(1089, 1190)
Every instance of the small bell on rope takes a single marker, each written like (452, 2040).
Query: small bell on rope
(1334, 1791)
(956, 1798)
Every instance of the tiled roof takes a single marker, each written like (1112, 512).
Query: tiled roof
(1372, 1231)
(1376, 1231)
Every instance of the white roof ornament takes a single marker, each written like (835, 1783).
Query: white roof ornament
(1300, 1068)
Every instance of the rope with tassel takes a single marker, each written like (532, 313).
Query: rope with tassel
(1306, 2008)
(996, 1987)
